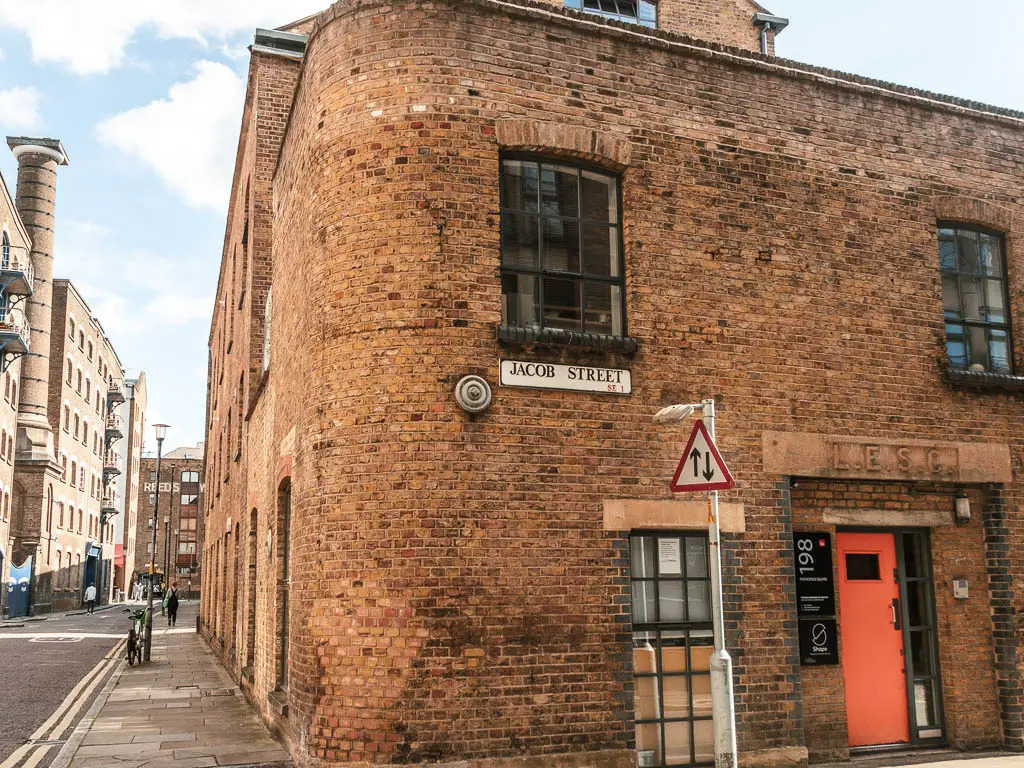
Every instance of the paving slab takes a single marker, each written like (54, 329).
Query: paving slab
(182, 710)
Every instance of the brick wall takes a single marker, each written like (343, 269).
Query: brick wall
(454, 594)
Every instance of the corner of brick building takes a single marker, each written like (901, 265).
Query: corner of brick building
(417, 592)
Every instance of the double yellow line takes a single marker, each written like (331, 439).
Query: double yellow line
(32, 752)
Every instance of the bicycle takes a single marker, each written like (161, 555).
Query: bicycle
(136, 634)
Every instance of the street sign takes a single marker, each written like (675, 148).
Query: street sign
(702, 467)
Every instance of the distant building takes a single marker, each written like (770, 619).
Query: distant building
(126, 522)
(179, 530)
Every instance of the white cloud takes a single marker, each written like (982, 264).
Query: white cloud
(91, 36)
(189, 139)
(2, 54)
(170, 309)
(87, 228)
(20, 107)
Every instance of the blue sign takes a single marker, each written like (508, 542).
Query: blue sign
(18, 589)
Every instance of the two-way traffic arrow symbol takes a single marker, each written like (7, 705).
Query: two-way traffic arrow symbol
(709, 472)
(693, 474)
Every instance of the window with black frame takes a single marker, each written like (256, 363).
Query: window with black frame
(975, 299)
(672, 647)
(561, 248)
(643, 12)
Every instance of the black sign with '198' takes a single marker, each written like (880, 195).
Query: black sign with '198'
(815, 588)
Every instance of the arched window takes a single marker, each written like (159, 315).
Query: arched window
(57, 575)
(67, 418)
(79, 520)
(63, 467)
(90, 350)
(70, 372)
(78, 381)
(284, 511)
(74, 472)
(88, 390)
(60, 515)
(78, 423)
(5, 250)
(7, 386)
(81, 340)
(14, 394)
(85, 432)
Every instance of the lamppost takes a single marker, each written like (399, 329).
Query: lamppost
(161, 433)
(167, 541)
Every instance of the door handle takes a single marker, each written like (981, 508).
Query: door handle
(896, 623)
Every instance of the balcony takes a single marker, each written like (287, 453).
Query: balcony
(16, 271)
(115, 393)
(14, 332)
(111, 464)
(108, 507)
(115, 427)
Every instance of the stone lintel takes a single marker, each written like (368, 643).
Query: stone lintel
(860, 458)
(631, 514)
(890, 518)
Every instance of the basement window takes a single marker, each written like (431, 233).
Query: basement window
(643, 12)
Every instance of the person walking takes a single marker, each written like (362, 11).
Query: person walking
(171, 603)
(90, 597)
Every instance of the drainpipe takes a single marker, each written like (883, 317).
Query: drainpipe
(769, 23)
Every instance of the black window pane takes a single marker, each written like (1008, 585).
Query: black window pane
(991, 255)
(698, 600)
(644, 608)
(994, 303)
(519, 185)
(641, 551)
(603, 312)
(999, 351)
(967, 251)
(913, 557)
(951, 297)
(977, 348)
(559, 190)
(562, 304)
(947, 249)
(917, 608)
(973, 300)
(862, 567)
(600, 250)
(520, 301)
(956, 347)
(519, 240)
(600, 198)
(920, 653)
(671, 602)
(561, 245)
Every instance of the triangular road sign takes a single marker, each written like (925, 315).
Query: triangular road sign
(702, 467)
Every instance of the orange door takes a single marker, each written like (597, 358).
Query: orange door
(873, 668)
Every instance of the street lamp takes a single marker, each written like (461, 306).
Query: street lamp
(722, 705)
(161, 433)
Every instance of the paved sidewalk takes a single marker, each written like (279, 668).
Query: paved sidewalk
(180, 711)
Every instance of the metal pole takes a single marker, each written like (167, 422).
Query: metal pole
(167, 541)
(147, 650)
(722, 705)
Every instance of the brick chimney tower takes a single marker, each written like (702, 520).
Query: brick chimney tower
(38, 160)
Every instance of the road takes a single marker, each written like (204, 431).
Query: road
(50, 672)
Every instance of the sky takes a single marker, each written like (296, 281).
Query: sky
(147, 98)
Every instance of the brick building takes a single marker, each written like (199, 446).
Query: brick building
(63, 377)
(15, 245)
(426, 190)
(179, 532)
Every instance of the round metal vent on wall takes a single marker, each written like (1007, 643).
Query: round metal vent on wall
(473, 394)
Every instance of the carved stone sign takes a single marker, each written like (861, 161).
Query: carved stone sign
(839, 456)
